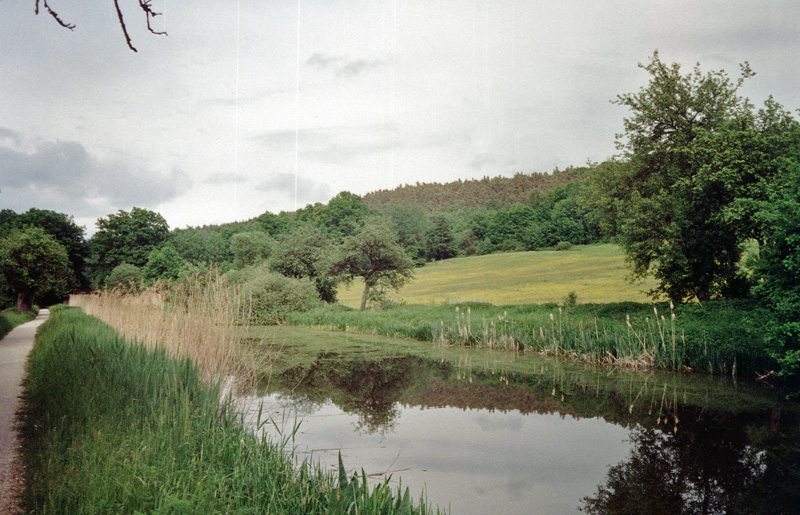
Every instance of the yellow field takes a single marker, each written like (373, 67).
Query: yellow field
(596, 273)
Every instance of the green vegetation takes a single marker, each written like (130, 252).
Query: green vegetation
(716, 338)
(33, 267)
(11, 318)
(111, 427)
(596, 273)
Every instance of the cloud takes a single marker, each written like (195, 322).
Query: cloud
(224, 178)
(64, 176)
(307, 190)
(338, 145)
(342, 65)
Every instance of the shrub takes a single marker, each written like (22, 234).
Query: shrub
(274, 296)
(563, 245)
(125, 277)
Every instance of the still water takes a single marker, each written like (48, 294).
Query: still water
(523, 434)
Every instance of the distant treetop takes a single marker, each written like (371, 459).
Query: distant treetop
(501, 191)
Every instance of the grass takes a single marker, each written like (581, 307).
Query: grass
(199, 320)
(111, 426)
(596, 273)
(11, 318)
(715, 337)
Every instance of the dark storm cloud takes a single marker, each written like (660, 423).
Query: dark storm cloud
(63, 176)
(307, 189)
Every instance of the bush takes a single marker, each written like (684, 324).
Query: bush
(126, 277)
(563, 245)
(274, 296)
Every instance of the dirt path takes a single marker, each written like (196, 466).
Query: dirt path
(14, 349)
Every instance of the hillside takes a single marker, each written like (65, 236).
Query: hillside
(505, 191)
(596, 273)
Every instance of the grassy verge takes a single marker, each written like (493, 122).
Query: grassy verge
(11, 318)
(114, 427)
(717, 337)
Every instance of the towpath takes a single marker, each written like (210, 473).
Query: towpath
(14, 350)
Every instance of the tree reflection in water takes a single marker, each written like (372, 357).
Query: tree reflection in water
(706, 460)
(711, 466)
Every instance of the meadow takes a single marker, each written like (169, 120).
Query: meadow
(577, 304)
(595, 273)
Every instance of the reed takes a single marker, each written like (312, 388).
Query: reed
(198, 318)
(715, 338)
(111, 426)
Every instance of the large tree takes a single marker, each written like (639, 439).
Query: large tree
(34, 266)
(303, 253)
(374, 255)
(126, 237)
(60, 226)
(686, 168)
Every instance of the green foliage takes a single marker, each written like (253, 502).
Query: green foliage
(440, 242)
(34, 266)
(125, 277)
(697, 158)
(718, 337)
(778, 270)
(126, 237)
(111, 427)
(341, 217)
(303, 253)
(209, 244)
(563, 245)
(164, 264)
(250, 248)
(410, 223)
(11, 318)
(501, 192)
(374, 255)
(273, 296)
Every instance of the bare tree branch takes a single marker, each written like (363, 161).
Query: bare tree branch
(144, 5)
(54, 15)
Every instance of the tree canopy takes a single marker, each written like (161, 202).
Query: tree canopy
(126, 237)
(34, 266)
(688, 170)
(374, 255)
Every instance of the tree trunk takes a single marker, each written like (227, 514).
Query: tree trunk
(24, 303)
(364, 296)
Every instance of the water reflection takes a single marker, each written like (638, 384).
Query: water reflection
(490, 440)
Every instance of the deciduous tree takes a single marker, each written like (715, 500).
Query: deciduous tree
(374, 255)
(34, 265)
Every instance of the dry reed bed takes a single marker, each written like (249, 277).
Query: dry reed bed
(198, 319)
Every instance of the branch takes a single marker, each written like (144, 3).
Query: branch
(54, 15)
(144, 5)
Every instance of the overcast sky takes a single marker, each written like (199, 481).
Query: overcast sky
(252, 105)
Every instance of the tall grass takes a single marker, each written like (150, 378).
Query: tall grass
(11, 318)
(115, 427)
(717, 338)
(198, 319)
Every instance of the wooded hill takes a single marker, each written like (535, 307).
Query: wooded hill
(501, 191)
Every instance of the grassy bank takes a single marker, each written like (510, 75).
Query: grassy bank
(11, 318)
(715, 337)
(114, 427)
(596, 273)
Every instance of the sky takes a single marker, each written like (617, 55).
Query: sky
(250, 106)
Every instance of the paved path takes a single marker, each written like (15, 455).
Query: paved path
(14, 349)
